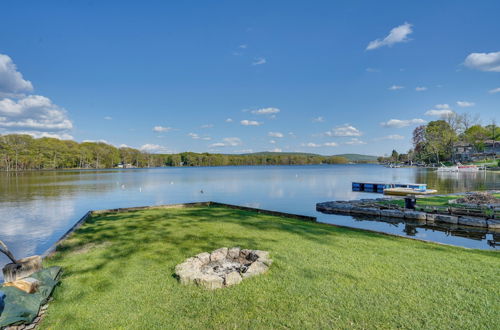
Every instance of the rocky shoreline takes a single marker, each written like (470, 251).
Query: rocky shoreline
(373, 207)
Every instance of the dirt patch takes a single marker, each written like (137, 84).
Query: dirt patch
(479, 198)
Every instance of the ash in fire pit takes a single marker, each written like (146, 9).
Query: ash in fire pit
(223, 267)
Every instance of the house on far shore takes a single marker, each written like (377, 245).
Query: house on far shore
(464, 151)
(123, 165)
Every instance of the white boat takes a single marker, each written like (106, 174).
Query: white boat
(447, 168)
(467, 168)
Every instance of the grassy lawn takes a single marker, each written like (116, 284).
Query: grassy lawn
(119, 274)
(429, 200)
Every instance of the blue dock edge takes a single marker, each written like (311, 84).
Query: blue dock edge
(379, 187)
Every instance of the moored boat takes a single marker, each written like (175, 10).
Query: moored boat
(467, 168)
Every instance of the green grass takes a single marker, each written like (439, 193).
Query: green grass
(119, 274)
(429, 201)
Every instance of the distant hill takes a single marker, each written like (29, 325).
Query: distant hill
(358, 157)
(350, 157)
(272, 153)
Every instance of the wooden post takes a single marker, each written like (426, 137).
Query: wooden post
(21, 268)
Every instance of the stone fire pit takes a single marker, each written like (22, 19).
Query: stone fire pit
(223, 267)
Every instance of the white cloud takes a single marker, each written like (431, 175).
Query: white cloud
(276, 150)
(243, 46)
(420, 88)
(311, 145)
(439, 110)
(272, 141)
(372, 70)
(35, 115)
(265, 111)
(153, 148)
(162, 129)
(229, 120)
(465, 104)
(354, 141)
(259, 61)
(227, 142)
(207, 126)
(108, 118)
(33, 112)
(246, 122)
(398, 123)
(483, 61)
(494, 90)
(318, 119)
(438, 113)
(11, 80)
(195, 136)
(344, 130)
(275, 134)
(395, 87)
(390, 137)
(330, 144)
(396, 35)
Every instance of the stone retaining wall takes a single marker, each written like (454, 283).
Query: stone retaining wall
(365, 207)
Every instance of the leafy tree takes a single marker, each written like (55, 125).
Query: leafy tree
(439, 139)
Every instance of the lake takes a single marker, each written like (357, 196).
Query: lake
(36, 208)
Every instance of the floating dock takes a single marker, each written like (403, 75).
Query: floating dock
(401, 189)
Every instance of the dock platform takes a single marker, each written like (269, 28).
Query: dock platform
(392, 188)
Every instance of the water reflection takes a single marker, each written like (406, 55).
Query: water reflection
(421, 229)
(36, 208)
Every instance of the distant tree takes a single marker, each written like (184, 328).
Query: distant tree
(394, 156)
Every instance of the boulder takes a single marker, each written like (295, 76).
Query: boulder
(471, 221)
(255, 268)
(415, 215)
(430, 217)
(28, 285)
(366, 210)
(263, 256)
(210, 281)
(232, 279)
(189, 270)
(233, 253)
(219, 254)
(446, 218)
(204, 257)
(392, 213)
(493, 224)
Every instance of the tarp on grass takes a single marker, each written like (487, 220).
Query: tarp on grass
(21, 307)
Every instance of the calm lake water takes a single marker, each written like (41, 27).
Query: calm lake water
(36, 208)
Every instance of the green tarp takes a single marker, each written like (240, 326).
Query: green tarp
(21, 307)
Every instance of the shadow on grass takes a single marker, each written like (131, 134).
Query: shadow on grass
(194, 230)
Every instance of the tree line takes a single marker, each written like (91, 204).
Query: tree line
(435, 142)
(23, 152)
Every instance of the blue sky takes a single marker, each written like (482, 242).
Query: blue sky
(231, 76)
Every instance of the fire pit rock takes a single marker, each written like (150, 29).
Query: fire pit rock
(222, 267)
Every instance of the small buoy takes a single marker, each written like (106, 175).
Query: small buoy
(171, 182)
(201, 191)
